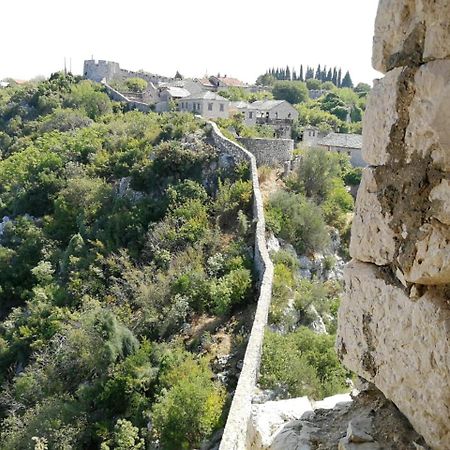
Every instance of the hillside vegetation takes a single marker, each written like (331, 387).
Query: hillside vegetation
(118, 230)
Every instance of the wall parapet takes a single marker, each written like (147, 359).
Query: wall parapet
(235, 433)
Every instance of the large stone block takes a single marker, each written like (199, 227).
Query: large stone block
(400, 344)
(372, 239)
(397, 24)
(381, 115)
(428, 132)
(409, 32)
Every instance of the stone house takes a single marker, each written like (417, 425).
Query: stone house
(344, 143)
(312, 135)
(207, 104)
(270, 111)
(279, 114)
(170, 95)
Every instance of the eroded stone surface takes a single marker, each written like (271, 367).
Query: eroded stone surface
(432, 260)
(381, 114)
(428, 132)
(410, 32)
(402, 345)
(372, 239)
(440, 198)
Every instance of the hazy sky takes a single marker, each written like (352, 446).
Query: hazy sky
(240, 38)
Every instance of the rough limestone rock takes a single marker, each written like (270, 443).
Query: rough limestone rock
(410, 32)
(431, 263)
(380, 116)
(401, 344)
(428, 132)
(268, 419)
(440, 199)
(372, 239)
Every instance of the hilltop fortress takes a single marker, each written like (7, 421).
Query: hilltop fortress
(108, 71)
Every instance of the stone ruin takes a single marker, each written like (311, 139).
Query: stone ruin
(394, 322)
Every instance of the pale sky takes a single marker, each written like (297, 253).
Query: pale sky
(239, 38)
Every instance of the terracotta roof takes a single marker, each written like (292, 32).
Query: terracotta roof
(342, 140)
(232, 82)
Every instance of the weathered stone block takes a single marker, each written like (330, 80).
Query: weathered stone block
(381, 114)
(428, 132)
(398, 38)
(372, 239)
(399, 344)
(431, 263)
(409, 32)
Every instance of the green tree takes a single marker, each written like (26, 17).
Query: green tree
(136, 84)
(291, 91)
(347, 80)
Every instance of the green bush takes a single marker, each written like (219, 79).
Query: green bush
(302, 363)
(298, 221)
(191, 409)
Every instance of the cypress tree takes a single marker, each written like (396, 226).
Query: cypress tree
(329, 75)
(294, 75)
(323, 75)
(334, 79)
(288, 73)
(318, 73)
(300, 77)
(347, 80)
(339, 78)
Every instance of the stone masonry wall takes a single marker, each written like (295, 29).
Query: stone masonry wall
(269, 152)
(235, 433)
(118, 97)
(394, 322)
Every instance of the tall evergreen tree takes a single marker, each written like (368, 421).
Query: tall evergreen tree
(318, 73)
(309, 73)
(339, 78)
(300, 77)
(329, 75)
(288, 73)
(294, 75)
(323, 75)
(334, 78)
(347, 80)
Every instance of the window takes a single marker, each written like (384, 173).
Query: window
(210, 106)
(250, 115)
(198, 106)
(193, 106)
(221, 107)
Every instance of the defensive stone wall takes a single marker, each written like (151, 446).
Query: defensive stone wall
(269, 152)
(118, 97)
(394, 322)
(109, 70)
(235, 433)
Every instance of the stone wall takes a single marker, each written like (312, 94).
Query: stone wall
(269, 152)
(394, 322)
(109, 70)
(118, 97)
(235, 434)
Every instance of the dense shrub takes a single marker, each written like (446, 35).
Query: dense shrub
(302, 363)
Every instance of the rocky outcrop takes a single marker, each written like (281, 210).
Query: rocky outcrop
(365, 422)
(394, 322)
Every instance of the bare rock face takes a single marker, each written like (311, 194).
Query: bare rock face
(400, 344)
(394, 322)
